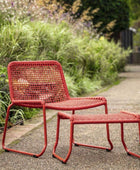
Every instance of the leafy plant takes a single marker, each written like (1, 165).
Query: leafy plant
(4, 101)
(3, 79)
(105, 23)
(137, 38)
(79, 55)
(15, 114)
(16, 41)
(23, 10)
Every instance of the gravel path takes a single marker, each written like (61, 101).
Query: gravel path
(125, 96)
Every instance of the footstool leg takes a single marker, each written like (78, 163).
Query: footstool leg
(107, 129)
(123, 142)
(70, 144)
(108, 137)
(139, 131)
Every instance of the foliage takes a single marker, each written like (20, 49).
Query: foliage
(3, 79)
(79, 54)
(23, 10)
(135, 9)
(137, 38)
(15, 42)
(111, 17)
(15, 114)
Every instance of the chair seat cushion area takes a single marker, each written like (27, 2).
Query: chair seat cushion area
(77, 103)
(69, 104)
(122, 117)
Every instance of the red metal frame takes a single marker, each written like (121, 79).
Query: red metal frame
(122, 117)
(41, 84)
(22, 152)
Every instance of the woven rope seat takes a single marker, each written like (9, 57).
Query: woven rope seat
(77, 103)
(121, 117)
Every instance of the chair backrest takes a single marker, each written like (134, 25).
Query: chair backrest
(37, 80)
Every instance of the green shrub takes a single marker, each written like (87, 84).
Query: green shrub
(79, 55)
(16, 42)
(109, 24)
(3, 79)
(17, 114)
(23, 10)
(137, 38)
(72, 86)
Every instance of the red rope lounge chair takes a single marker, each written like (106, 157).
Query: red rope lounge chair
(122, 117)
(41, 84)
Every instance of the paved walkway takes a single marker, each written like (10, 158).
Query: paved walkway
(125, 96)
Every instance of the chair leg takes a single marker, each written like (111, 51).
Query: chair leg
(73, 112)
(57, 135)
(57, 138)
(123, 142)
(107, 129)
(108, 137)
(139, 131)
(22, 152)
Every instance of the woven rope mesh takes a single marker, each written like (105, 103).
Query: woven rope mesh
(119, 117)
(37, 81)
(77, 103)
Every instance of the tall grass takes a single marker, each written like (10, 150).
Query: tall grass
(80, 56)
(15, 42)
(15, 114)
